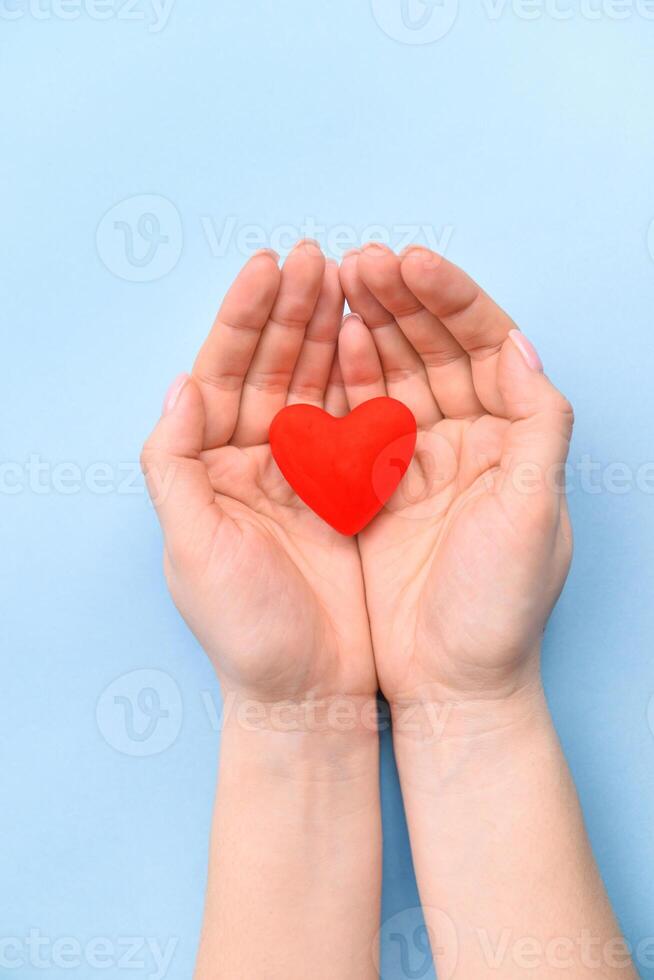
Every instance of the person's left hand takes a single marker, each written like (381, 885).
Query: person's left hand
(464, 564)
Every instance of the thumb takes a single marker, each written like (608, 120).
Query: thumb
(176, 477)
(537, 443)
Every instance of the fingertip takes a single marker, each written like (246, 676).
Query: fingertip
(352, 326)
(413, 247)
(360, 364)
(332, 277)
(350, 258)
(174, 391)
(523, 385)
(415, 262)
(443, 287)
(348, 270)
(376, 250)
(306, 259)
(308, 246)
(259, 276)
(269, 253)
(352, 321)
(380, 272)
(527, 350)
(355, 341)
(514, 371)
(419, 257)
(183, 403)
(179, 431)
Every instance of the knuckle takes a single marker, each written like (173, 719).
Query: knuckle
(293, 313)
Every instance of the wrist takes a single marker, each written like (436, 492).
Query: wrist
(477, 739)
(310, 739)
(436, 713)
(296, 839)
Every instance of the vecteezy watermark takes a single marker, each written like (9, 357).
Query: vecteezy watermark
(140, 713)
(426, 21)
(336, 715)
(140, 239)
(425, 489)
(565, 10)
(566, 953)
(411, 941)
(154, 13)
(43, 477)
(416, 21)
(40, 952)
(336, 239)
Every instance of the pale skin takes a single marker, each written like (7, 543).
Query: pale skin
(441, 602)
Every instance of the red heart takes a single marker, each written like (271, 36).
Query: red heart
(344, 469)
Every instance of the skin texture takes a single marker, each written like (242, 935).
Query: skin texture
(441, 602)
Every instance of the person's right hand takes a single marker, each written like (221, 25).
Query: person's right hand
(272, 593)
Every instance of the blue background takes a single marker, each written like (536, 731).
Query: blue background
(526, 147)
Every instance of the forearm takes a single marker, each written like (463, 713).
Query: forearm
(500, 848)
(295, 861)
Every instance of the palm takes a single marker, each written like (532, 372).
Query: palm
(446, 564)
(290, 587)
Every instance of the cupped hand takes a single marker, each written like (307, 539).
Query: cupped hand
(465, 563)
(273, 594)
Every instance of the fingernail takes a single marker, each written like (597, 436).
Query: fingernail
(310, 245)
(351, 251)
(267, 251)
(376, 248)
(430, 260)
(351, 316)
(413, 248)
(527, 349)
(174, 392)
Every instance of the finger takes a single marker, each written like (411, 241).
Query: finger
(225, 356)
(266, 385)
(360, 364)
(446, 364)
(537, 442)
(471, 316)
(176, 477)
(314, 364)
(335, 397)
(404, 372)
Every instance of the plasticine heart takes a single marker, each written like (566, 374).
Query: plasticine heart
(344, 469)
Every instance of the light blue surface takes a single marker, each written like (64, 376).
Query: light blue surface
(526, 148)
